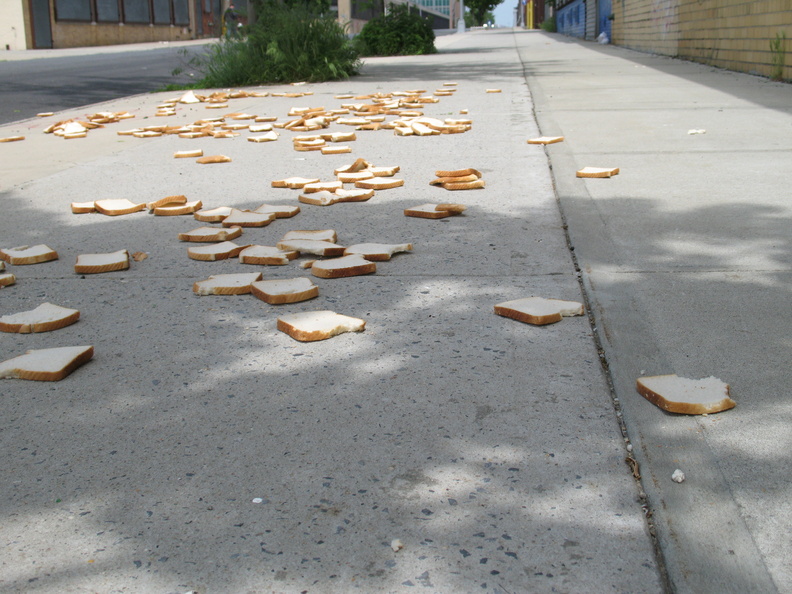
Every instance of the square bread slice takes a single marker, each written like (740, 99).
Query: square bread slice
(377, 252)
(211, 234)
(598, 172)
(212, 215)
(315, 247)
(121, 206)
(345, 266)
(294, 183)
(280, 211)
(686, 396)
(24, 254)
(290, 290)
(538, 310)
(319, 234)
(215, 251)
(7, 279)
(45, 318)
(320, 186)
(379, 183)
(244, 218)
(265, 255)
(318, 325)
(98, 263)
(171, 210)
(82, 207)
(227, 284)
(48, 365)
(434, 211)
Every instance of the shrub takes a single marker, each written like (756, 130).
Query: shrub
(285, 44)
(398, 33)
(549, 25)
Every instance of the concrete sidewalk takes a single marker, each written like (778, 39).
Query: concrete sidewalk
(203, 450)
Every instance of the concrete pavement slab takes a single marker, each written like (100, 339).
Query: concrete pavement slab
(204, 450)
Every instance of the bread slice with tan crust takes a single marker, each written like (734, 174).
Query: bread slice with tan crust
(98, 263)
(264, 255)
(227, 284)
(83, 207)
(434, 211)
(379, 183)
(215, 251)
(211, 234)
(598, 172)
(244, 218)
(377, 252)
(45, 318)
(318, 325)
(24, 254)
(294, 183)
(281, 211)
(343, 267)
(167, 201)
(318, 234)
(290, 290)
(49, 365)
(171, 210)
(7, 279)
(117, 207)
(686, 396)
(214, 158)
(315, 247)
(538, 310)
(212, 215)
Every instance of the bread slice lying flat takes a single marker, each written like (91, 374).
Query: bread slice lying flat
(7, 279)
(598, 172)
(318, 325)
(167, 201)
(538, 310)
(311, 246)
(686, 396)
(353, 265)
(379, 183)
(35, 254)
(244, 218)
(294, 183)
(546, 140)
(45, 318)
(227, 284)
(210, 234)
(82, 207)
(118, 207)
(290, 290)
(434, 211)
(48, 365)
(377, 252)
(212, 215)
(170, 210)
(281, 211)
(98, 263)
(215, 251)
(319, 234)
(265, 255)
(213, 159)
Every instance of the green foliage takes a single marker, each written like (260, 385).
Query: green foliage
(778, 56)
(470, 20)
(549, 25)
(479, 9)
(287, 43)
(401, 32)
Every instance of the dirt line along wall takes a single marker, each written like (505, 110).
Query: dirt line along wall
(733, 34)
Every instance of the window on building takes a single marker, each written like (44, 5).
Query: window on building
(155, 12)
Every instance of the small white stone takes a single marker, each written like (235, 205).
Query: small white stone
(678, 476)
(257, 500)
(629, 447)
(397, 545)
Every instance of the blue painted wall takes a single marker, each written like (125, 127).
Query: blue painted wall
(571, 19)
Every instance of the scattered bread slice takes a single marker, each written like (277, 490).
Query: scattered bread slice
(82, 207)
(118, 207)
(458, 172)
(318, 325)
(350, 178)
(215, 251)
(212, 215)
(358, 165)
(319, 234)
(227, 284)
(470, 185)
(211, 234)
(35, 254)
(278, 292)
(45, 318)
(244, 218)
(188, 154)
(12, 138)
(345, 266)
(377, 252)
(379, 183)
(538, 310)
(265, 255)
(546, 140)
(214, 159)
(453, 180)
(178, 209)
(167, 201)
(329, 186)
(98, 263)
(686, 396)
(336, 150)
(324, 198)
(598, 172)
(294, 183)
(280, 211)
(7, 279)
(316, 247)
(270, 136)
(49, 365)
(434, 211)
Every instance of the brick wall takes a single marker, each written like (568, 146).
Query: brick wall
(733, 34)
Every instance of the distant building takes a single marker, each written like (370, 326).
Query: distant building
(356, 13)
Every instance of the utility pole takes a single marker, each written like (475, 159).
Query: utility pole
(461, 21)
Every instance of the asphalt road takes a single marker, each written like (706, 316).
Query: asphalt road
(28, 87)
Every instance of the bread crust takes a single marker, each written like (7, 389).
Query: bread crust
(326, 269)
(80, 358)
(215, 252)
(219, 235)
(686, 408)
(21, 260)
(214, 158)
(293, 330)
(70, 316)
(258, 289)
(7, 279)
(379, 183)
(471, 185)
(121, 262)
(458, 172)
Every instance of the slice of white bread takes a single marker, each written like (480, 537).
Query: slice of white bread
(212, 215)
(82, 207)
(281, 211)
(320, 186)
(315, 247)
(350, 178)
(345, 266)
(171, 210)
(213, 159)
(192, 154)
(210, 234)
(266, 255)
(7, 279)
(98, 263)
(538, 310)
(290, 290)
(598, 172)
(379, 183)
(434, 211)
(686, 396)
(24, 254)
(319, 234)
(117, 207)
(294, 183)
(167, 201)
(215, 251)
(318, 325)
(268, 136)
(453, 180)
(546, 140)
(377, 252)
(324, 198)
(227, 284)
(457, 172)
(244, 218)
(45, 318)
(358, 165)
(470, 185)
(49, 365)
(359, 195)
